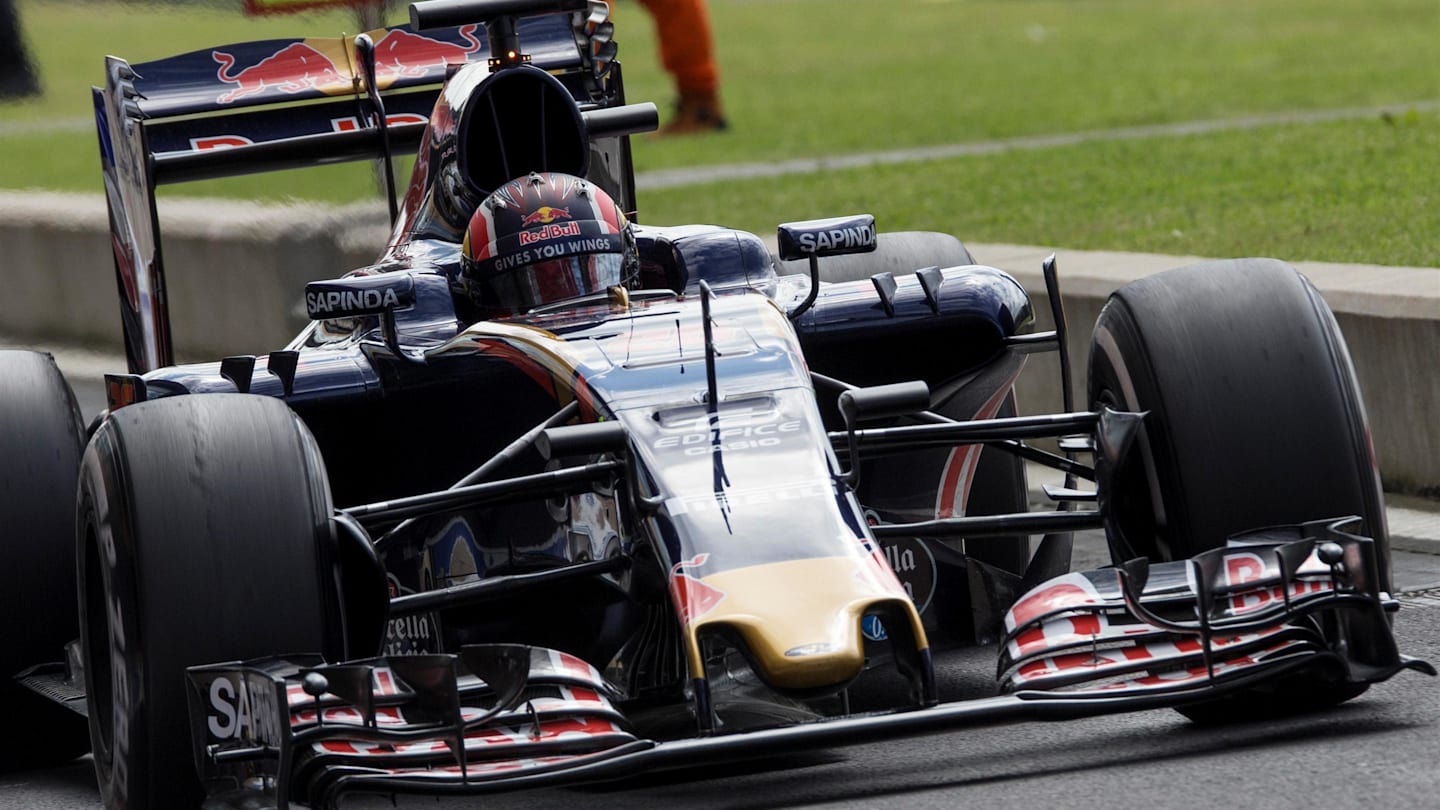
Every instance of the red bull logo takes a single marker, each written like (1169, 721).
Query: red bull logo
(547, 232)
(296, 68)
(402, 54)
(692, 596)
(544, 215)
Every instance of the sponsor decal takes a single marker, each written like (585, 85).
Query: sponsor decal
(1070, 591)
(693, 597)
(352, 123)
(560, 663)
(876, 555)
(854, 236)
(405, 54)
(243, 709)
(873, 628)
(542, 252)
(327, 303)
(1160, 651)
(219, 142)
(410, 635)
(681, 505)
(1094, 628)
(548, 232)
(1247, 567)
(119, 673)
(914, 566)
(1185, 676)
(549, 731)
(296, 68)
(544, 215)
(749, 437)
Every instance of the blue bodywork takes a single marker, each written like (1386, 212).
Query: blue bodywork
(417, 409)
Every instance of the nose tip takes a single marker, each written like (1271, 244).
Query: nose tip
(808, 638)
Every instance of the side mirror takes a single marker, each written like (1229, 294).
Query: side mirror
(366, 295)
(826, 237)
(359, 295)
(881, 401)
(878, 402)
(588, 439)
(814, 238)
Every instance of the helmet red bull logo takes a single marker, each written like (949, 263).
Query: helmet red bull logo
(544, 215)
(549, 231)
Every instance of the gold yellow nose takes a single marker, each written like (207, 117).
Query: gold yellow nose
(800, 619)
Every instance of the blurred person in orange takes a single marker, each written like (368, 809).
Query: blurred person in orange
(687, 51)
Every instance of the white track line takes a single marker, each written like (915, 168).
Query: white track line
(696, 175)
(42, 127)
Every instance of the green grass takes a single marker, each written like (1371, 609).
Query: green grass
(1367, 194)
(817, 77)
(69, 42)
(806, 78)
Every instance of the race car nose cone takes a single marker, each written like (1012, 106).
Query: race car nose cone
(800, 619)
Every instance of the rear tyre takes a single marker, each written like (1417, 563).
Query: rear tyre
(41, 438)
(1255, 419)
(204, 537)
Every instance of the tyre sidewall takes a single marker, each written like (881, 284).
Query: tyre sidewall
(189, 565)
(41, 440)
(115, 678)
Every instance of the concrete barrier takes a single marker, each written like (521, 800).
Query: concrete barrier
(1390, 317)
(236, 272)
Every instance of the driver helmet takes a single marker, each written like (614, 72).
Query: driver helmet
(544, 238)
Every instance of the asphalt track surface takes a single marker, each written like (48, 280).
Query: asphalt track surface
(1378, 749)
(1381, 748)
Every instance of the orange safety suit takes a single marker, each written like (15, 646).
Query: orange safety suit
(687, 49)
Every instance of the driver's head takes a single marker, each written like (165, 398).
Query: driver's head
(541, 239)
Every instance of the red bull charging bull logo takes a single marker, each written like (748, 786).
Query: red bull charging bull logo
(544, 215)
(296, 68)
(404, 54)
(692, 596)
(324, 65)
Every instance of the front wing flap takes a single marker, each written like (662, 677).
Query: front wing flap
(1270, 605)
(1308, 591)
(292, 726)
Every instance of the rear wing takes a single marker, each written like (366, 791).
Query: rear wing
(289, 103)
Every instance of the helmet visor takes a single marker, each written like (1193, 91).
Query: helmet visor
(547, 282)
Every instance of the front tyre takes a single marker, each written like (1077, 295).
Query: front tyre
(1254, 419)
(204, 537)
(41, 438)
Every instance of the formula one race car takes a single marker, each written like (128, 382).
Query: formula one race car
(468, 534)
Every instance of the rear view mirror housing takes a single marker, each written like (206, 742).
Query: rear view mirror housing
(358, 295)
(836, 236)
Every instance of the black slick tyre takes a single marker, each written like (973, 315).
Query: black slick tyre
(1254, 417)
(41, 438)
(204, 537)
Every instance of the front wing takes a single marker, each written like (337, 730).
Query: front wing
(1299, 601)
